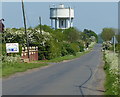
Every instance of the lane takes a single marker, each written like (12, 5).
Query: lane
(60, 79)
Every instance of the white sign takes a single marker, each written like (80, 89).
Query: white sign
(12, 47)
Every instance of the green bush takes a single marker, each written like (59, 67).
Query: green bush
(51, 43)
(11, 59)
(3, 49)
(117, 48)
(70, 49)
(74, 47)
(55, 50)
(64, 50)
(81, 46)
(52, 49)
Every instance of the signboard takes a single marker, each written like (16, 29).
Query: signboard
(12, 47)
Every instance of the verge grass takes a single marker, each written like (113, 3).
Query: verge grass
(11, 68)
(112, 74)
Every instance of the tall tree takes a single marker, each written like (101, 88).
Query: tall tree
(72, 35)
(90, 33)
(107, 34)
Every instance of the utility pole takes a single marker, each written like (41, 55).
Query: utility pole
(40, 25)
(40, 21)
(114, 45)
(27, 41)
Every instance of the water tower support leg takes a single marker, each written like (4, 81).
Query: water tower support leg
(52, 23)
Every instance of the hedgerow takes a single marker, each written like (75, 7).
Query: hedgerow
(112, 73)
(51, 43)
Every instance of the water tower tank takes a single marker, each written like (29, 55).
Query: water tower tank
(61, 17)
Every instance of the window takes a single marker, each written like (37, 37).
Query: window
(62, 23)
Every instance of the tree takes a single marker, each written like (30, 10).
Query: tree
(107, 34)
(90, 34)
(72, 35)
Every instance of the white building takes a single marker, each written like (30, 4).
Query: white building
(61, 17)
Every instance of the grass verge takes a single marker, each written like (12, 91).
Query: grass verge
(112, 82)
(11, 68)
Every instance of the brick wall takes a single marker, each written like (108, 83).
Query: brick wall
(33, 53)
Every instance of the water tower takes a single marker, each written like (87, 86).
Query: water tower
(61, 17)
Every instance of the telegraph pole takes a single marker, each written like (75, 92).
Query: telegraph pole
(40, 25)
(114, 45)
(27, 41)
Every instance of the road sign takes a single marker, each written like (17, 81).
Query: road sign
(12, 47)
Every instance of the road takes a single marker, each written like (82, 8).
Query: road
(64, 78)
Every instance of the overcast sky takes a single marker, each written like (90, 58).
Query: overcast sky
(88, 15)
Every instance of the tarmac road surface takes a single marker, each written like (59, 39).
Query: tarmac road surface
(64, 78)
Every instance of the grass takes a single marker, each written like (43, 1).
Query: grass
(109, 80)
(11, 68)
(111, 87)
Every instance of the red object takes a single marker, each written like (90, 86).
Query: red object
(32, 53)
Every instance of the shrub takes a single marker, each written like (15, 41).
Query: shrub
(11, 59)
(81, 46)
(75, 48)
(112, 71)
(117, 47)
(70, 48)
(55, 50)
(3, 49)
(64, 50)
(51, 50)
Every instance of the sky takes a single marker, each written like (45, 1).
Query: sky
(88, 15)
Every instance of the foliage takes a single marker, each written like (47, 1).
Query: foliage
(117, 48)
(81, 46)
(51, 43)
(66, 57)
(112, 71)
(11, 59)
(107, 34)
(118, 38)
(69, 49)
(54, 50)
(71, 35)
(45, 28)
(91, 33)
(75, 48)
